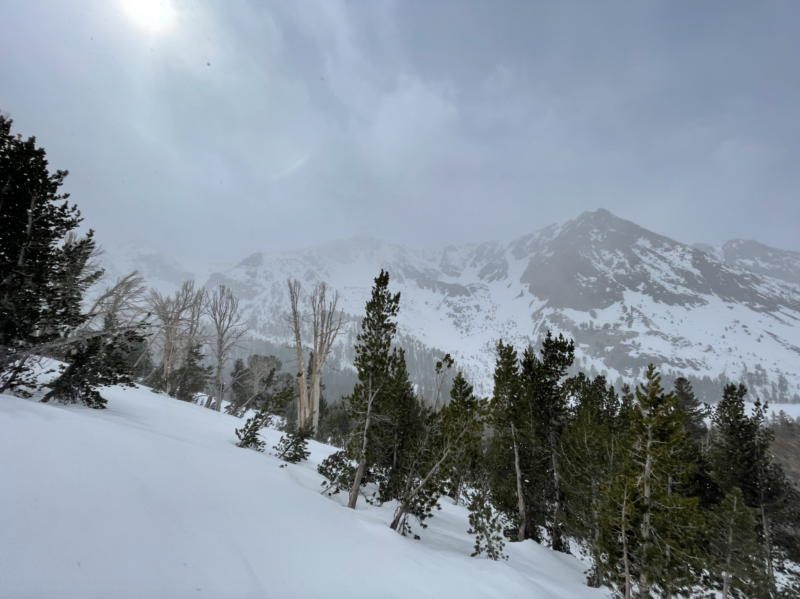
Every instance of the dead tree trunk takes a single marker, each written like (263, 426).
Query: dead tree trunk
(325, 328)
(303, 408)
(223, 311)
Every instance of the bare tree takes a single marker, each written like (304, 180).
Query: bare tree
(326, 327)
(303, 407)
(180, 325)
(123, 302)
(228, 329)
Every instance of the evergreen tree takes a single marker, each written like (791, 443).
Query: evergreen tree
(646, 505)
(510, 445)
(695, 411)
(293, 446)
(433, 450)
(248, 435)
(589, 459)
(42, 274)
(373, 362)
(735, 548)
(544, 394)
(191, 378)
(740, 456)
(486, 525)
(94, 362)
(239, 388)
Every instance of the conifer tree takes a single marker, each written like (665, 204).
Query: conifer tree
(589, 458)
(486, 525)
(735, 548)
(293, 447)
(191, 378)
(545, 396)
(430, 457)
(646, 505)
(695, 411)
(740, 456)
(510, 444)
(373, 363)
(42, 274)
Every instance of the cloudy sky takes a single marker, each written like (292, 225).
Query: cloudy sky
(213, 128)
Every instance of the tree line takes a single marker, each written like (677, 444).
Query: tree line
(635, 479)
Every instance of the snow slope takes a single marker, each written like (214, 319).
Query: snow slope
(151, 498)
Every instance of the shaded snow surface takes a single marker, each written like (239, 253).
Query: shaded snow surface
(151, 498)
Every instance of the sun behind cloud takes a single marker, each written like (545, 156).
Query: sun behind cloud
(153, 14)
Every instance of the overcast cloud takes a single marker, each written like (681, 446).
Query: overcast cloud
(243, 126)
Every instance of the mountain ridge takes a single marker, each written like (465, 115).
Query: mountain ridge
(627, 295)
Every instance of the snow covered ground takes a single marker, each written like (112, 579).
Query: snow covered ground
(151, 498)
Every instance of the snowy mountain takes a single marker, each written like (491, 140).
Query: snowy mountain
(627, 296)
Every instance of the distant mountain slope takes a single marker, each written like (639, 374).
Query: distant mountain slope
(627, 296)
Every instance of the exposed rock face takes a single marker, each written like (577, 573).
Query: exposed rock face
(627, 296)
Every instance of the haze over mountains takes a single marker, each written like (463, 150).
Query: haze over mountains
(627, 295)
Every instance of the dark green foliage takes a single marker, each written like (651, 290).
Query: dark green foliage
(95, 362)
(339, 472)
(735, 551)
(249, 434)
(376, 392)
(42, 264)
(293, 447)
(333, 424)
(740, 457)
(694, 410)
(486, 525)
(589, 461)
(192, 377)
(511, 449)
(545, 397)
(238, 386)
(646, 506)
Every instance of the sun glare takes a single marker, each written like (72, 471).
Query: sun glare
(153, 14)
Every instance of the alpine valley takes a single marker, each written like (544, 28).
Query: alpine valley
(626, 295)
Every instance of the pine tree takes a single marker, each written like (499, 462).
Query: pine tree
(239, 388)
(95, 362)
(740, 457)
(248, 435)
(293, 447)
(432, 452)
(486, 525)
(545, 396)
(42, 275)
(510, 445)
(735, 548)
(589, 460)
(191, 378)
(646, 505)
(695, 411)
(373, 364)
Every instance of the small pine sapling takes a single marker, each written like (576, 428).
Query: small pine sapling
(249, 434)
(486, 526)
(293, 447)
(338, 472)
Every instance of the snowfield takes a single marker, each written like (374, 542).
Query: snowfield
(151, 498)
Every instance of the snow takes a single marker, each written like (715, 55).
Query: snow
(151, 498)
